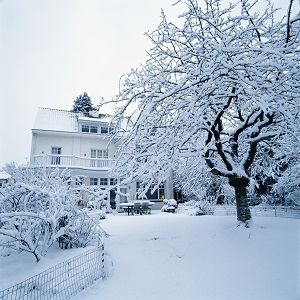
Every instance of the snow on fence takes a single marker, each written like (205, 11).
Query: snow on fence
(61, 281)
(264, 211)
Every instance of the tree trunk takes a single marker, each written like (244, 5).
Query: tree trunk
(242, 206)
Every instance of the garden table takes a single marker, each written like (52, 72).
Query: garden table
(129, 206)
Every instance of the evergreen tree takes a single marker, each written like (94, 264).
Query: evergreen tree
(82, 103)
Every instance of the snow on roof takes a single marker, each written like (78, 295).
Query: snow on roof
(4, 175)
(105, 119)
(56, 120)
(62, 120)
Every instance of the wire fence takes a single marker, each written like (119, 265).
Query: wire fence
(259, 210)
(276, 211)
(61, 281)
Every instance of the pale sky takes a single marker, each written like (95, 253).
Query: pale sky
(53, 50)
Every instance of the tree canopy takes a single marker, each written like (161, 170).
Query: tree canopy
(222, 89)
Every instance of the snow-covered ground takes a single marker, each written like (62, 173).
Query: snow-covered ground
(176, 256)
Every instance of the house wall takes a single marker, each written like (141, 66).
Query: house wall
(80, 144)
(3, 182)
(71, 144)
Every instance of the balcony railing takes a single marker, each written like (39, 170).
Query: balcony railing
(72, 161)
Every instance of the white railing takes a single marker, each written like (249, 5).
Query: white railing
(72, 161)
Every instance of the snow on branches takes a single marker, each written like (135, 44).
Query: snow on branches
(39, 205)
(216, 88)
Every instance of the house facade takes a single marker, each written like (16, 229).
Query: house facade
(4, 177)
(84, 144)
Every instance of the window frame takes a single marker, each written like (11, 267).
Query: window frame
(158, 194)
(93, 129)
(87, 128)
(99, 153)
(93, 181)
(55, 155)
(103, 181)
(104, 129)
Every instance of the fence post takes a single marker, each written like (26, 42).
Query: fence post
(103, 261)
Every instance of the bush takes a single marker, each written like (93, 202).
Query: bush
(195, 208)
(169, 205)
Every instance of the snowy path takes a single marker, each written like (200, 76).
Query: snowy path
(166, 256)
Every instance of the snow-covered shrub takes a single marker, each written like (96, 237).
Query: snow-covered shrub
(195, 208)
(95, 198)
(82, 230)
(32, 204)
(169, 205)
(288, 186)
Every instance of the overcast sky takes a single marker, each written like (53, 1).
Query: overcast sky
(54, 50)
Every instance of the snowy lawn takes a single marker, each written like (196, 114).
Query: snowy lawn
(175, 256)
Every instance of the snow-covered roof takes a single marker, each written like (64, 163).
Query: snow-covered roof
(56, 120)
(4, 175)
(63, 120)
(105, 119)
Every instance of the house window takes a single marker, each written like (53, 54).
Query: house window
(104, 130)
(99, 153)
(123, 197)
(112, 181)
(94, 129)
(99, 156)
(103, 181)
(93, 181)
(79, 181)
(56, 152)
(85, 128)
(159, 193)
(111, 130)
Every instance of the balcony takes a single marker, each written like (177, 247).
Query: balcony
(72, 161)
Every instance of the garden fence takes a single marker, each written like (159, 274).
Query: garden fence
(61, 281)
(263, 211)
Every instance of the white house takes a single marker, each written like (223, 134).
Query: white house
(83, 143)
(4, 176)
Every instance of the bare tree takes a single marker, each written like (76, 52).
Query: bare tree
(222, 88)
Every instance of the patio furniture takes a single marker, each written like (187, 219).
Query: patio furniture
(137, 207)
(170, 209)
(128, 207)
(145, 208)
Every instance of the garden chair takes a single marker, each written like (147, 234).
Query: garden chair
(137, 207)
(146, 207)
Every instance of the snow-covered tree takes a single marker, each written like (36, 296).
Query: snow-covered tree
(82, 103)
(288, 186)
(194, 180)
(39, 205)
(31, 206)
(222, 88)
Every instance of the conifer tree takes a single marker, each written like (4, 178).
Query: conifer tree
(82, 103)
